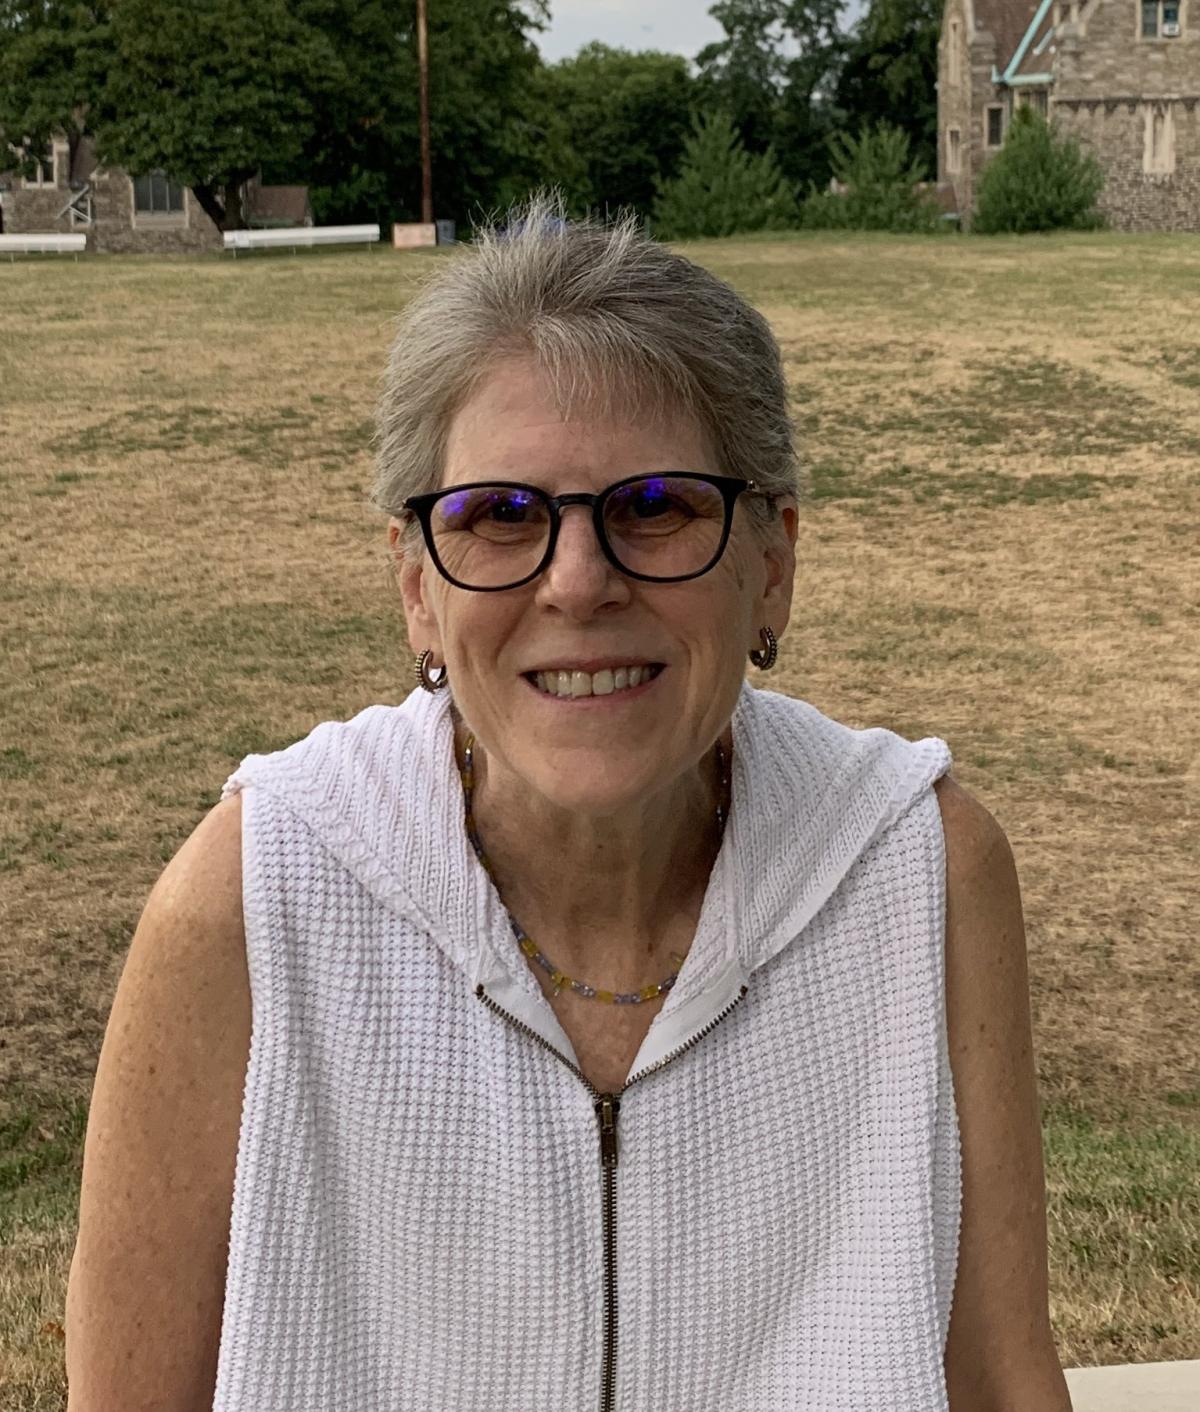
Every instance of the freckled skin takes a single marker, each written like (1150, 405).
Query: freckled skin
(617, 798)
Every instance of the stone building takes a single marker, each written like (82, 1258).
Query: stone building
(70, 193)
(1121, 76)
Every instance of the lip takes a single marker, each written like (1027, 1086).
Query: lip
(612, 698)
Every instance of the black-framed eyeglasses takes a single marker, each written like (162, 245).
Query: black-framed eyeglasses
(662, 528)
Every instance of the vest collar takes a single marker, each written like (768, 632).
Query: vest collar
(808, 797)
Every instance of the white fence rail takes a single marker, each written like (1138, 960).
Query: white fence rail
(296, 237)
(42, 244)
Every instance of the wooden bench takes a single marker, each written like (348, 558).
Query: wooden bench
(297, 237)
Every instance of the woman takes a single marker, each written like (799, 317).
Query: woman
(615, 1023)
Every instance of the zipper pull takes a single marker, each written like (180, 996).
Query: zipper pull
(608, 1105)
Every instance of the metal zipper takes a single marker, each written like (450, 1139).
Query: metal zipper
(608, 1108)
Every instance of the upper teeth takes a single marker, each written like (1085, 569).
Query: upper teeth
(591, 683)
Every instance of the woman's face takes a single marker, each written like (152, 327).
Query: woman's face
(594, 754)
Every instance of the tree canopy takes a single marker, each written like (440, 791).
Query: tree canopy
(324, 92)
(615, 123)
(890, 72)
(44, 52)
(775, 73)
(208, 90)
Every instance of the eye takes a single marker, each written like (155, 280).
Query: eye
(509, 508)
(647, 502)
(488, 508)
(663, 503)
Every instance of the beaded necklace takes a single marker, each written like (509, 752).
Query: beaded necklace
(529, 947)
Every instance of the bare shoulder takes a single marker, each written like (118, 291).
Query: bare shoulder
(160, 1151)
(203, 881)
(972, 832)
(1000, 1350)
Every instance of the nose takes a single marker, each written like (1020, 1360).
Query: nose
(579, 577)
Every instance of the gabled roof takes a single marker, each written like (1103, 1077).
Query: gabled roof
(1032, 54)
(1007, 22)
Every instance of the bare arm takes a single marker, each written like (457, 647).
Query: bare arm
(1000, 1354)
(147, 1282)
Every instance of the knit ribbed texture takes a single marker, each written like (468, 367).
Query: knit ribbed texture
(417, 1222)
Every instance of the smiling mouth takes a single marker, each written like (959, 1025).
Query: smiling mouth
(576, 686)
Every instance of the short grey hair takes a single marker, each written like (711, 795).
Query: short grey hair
(614, 321)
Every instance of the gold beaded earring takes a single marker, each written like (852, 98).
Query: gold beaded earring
(419, 665)
(764, 660)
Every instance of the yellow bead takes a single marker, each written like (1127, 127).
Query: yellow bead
(559, 979)
(605, 995)
(529, 947)
(649, 992)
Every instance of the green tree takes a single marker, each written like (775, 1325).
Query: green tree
(721, 188)
(45, 52)
(316, 91)
(209, 91)
(361, 122)
(775, 73)
(615, 125)
(744, 72)
(890, 71)
(363, 162)
(881, 177)
(1039, 180)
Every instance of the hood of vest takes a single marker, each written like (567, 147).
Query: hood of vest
(809, 796)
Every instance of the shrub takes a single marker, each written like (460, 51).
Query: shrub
(1039, 180)
(721, 188)
(881, 180)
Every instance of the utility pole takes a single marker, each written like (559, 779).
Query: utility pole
(423, 86)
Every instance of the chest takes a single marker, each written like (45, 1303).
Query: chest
(783, 1195)
(606, 1038)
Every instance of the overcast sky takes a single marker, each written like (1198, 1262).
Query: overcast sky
(677, 26)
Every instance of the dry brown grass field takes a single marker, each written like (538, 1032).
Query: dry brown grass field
(1000, 544)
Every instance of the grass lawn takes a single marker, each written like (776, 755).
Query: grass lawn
(998, 546)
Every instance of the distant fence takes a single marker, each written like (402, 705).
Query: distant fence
(44, 244)
(296, 237)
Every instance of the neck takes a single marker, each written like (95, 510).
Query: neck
(607, 900)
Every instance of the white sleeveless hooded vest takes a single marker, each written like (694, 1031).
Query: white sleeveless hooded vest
(435, 1212)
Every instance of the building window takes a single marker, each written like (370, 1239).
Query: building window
(1159, 152)
(1039, 98)
(995, 126)
(154, 195)
(953, 67)
(953, 150)
(43, 171)
(1160, 19)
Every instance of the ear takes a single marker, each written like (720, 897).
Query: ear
(423, 628)
(779, 558)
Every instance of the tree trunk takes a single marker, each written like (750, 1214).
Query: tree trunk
(212, 208)
(234, 217)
